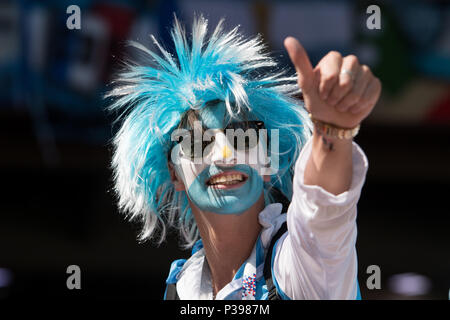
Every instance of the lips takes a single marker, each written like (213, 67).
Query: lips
(227, 180)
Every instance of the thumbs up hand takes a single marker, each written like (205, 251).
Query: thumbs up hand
(338, 90)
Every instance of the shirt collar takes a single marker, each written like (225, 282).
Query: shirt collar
(194, 280)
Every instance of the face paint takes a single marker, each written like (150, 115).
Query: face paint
(226, 201)
(205, 182)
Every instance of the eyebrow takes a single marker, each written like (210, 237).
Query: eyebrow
(190, 116)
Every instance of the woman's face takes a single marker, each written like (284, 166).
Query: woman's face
(225, 179)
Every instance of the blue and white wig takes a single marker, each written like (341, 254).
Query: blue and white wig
(152, 98)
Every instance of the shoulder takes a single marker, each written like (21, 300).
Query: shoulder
(271, 219)
(178, 265)
(175, 269)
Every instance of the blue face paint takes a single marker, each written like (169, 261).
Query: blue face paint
(213, 117)
(216, 116)
(223, 201)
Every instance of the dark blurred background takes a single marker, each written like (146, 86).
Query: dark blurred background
(57, 208)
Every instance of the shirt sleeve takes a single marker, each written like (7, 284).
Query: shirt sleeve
(316, 258)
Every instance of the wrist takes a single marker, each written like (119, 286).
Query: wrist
(329, 164)
(332, 131)
(324, 143)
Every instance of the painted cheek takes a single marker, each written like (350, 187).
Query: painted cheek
(232, 201)
(189, 171)
(255, 157)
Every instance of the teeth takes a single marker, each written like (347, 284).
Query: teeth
(227, 179)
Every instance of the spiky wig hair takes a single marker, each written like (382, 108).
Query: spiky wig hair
(151, 99)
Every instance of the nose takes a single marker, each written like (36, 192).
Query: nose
(226, 152)
(222, 152)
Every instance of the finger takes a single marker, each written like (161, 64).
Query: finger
(359, 86)
(361, 83)
(330, 67)
(345, 82)
(370, 96)
(301, 62)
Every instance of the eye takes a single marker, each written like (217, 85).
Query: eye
(247, 145)
(193, 143)
(206, 143)
(250, 140)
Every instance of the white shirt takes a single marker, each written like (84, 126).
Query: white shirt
(315, 259)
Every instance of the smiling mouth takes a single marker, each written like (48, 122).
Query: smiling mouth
(226, 180)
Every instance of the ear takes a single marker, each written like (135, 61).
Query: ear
(177, 182)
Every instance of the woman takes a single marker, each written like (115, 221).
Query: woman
(207, 187)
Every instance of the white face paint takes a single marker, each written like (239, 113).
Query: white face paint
(221, 178)
(221, 153)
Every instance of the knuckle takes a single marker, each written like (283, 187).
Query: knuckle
(352, 98)
(356, 100)
(352, 59)
(366, 69)
(335, 54)
(355, 109)
(330, 78)
(334, 95)
(363, 101)
(346, 83)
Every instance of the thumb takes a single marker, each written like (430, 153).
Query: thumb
(301, 62)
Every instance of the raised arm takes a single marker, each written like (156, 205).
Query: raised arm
(316, 258)
(338, 91)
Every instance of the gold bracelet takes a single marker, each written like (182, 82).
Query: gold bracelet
(332, 131)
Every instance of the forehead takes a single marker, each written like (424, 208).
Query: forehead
(216, 116)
